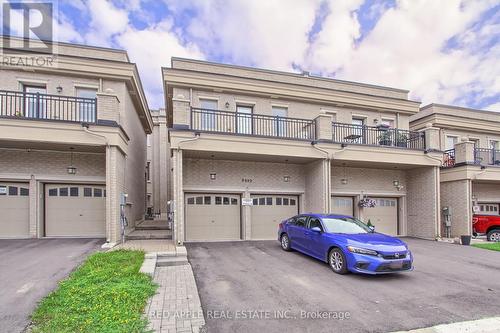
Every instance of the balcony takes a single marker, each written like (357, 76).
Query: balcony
(377, 136)
(35, 106)
(486, 156)
(449, 158)
(228, 122)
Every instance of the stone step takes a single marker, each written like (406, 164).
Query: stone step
(171, 261)
(151, 227)
(149, 234)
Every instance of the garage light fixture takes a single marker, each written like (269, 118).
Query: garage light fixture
(343, 181)
(286, 179)
(213, 176)
(71, 168)
(395, 183)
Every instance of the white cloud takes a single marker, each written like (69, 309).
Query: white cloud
(106, 21)
(493, 107)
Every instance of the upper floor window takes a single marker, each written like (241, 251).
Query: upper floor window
(387, 122)
(244, 119)
(86, 110)
(280, 125)
(207, 116)
(495, 144)
(451, 141)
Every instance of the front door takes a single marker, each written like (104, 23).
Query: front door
(280, 124)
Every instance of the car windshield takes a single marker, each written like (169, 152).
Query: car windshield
(345, 225)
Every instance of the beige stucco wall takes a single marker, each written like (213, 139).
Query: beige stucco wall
(457, 195)
(484, 139)
(422, 202)
(370, 181)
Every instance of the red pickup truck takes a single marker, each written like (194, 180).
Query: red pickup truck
(487, 224)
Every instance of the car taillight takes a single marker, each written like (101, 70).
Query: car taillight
(475, 220)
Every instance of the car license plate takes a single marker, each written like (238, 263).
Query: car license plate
(396, 265)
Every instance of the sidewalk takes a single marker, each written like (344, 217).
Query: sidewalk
(487, 325)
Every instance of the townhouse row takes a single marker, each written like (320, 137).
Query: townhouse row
(234, 151)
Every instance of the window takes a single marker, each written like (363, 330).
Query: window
(225, 201)
(269, 201)
(451, 141)
(148, 171)
(218, 200)
(255, 201)
(315, 223)
(234, 201)
(97, 192)
(358, 129)
(199, 200)
(73, 191)
(87, 191)
(13, 190)
(24, 192)
(292, 202)
(278, 201)
(3, 190)
(388, 122)
(280, 112)
(53, 192)
(190, 201)
(489, 209)
(244, 119)
(262, 201)
(63, 192)
(208, 107)
(85, 105)
(34, 107)
(301, 221)
(286, 201)
(207, 200)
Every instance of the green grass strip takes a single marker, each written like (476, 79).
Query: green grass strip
(489, 246)
(105, 294)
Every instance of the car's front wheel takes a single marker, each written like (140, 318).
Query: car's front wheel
(337, 261)
(285, 242)
(494, 235)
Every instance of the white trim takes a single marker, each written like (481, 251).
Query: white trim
(358, 116)
(279, 105)
(212, 98)
(244, 103)
(27, 81)
(77, 86)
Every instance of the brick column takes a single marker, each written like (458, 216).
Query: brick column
(432, 139)
(464, 152)
(33, 216)
(324, 127)
(178, 197)
(181, 113)
(108, 106)
(115, 186)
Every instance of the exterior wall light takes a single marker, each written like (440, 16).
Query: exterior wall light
(343, 181)
(286, 179)
(395, 183)
(213, 176)
(71, 170)
(59, 89)
(227, 105)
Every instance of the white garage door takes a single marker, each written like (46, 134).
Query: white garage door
(75, 210)
(268, 211)
(343, 205)
(211, 217)
(384, 216)
(14, 210)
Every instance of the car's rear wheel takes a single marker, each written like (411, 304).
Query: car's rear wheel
(494, 235)
(337, 261)
(285, 242)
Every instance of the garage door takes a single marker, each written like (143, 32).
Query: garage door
(211, 217)
(343, 205)
(75, 210)
(384, 216)
(14, 210)
(268, 211)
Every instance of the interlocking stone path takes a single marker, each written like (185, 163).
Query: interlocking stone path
(176, 307)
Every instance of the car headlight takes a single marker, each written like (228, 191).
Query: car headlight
(362, 251)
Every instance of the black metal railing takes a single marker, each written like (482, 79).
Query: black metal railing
(18, 104)
(377, 136)
(229, 122)
(487, 156)
(449, 158)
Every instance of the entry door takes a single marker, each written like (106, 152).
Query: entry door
(280, 124)
(343, 205)
(75, 210)
(14, 210)
(244, 119)
(86, 109)
(268, 211)
(211, 217)
(208, 106)
(34, 107)
(384, 216)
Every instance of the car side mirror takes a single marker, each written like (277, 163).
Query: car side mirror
(316, 229)
(372, 228)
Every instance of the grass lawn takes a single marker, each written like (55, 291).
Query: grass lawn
(105, 294)
(489, 246)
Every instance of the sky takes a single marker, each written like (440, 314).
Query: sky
(442, 51)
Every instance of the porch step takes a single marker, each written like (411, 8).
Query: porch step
(151, 227)
(171, 261)
(149, 234)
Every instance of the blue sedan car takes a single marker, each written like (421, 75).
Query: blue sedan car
(345, 243)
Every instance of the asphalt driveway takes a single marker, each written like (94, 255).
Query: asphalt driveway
(246, 286)
(30, 269)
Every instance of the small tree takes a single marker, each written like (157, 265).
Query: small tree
(369, 223)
